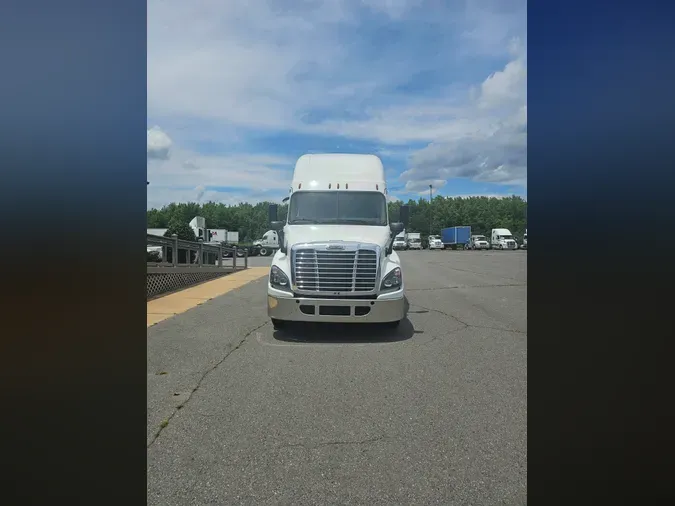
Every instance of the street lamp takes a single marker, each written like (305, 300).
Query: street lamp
(430, 198)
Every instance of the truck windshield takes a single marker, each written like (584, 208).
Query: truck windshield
(338, 208)
(506, 237)
(479, 238)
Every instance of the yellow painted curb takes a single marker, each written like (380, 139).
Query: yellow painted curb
(175, 303)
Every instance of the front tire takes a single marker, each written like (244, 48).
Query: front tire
(263, 252)
(278, 324)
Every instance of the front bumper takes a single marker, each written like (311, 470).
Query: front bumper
(387, 308)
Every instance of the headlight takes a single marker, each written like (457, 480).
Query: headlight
(392, 281)
(278, 279)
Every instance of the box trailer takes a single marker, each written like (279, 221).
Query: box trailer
(223, 235)
(452, 237)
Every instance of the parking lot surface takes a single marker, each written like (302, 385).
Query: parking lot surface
(432, 413)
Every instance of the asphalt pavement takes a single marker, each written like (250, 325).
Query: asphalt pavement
(433, 413)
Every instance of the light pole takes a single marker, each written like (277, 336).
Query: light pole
(430, 218)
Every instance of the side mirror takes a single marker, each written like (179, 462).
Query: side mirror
(396, 228)
(405, 215)
(279, 227)
(273, 212)
(285, 200)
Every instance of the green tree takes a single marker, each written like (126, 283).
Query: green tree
(181, 228)
(251, 220)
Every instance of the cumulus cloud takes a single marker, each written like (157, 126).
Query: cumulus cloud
(492, 148)
(159, 144)
(190, 176)
(421, 186)
(226, 74)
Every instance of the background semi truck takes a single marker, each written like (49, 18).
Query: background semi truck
(453, 237)
(267, 245)
(502, 238)
(478, 242)
(335, 261)
(401, 241)
(198, 226)
(414, 240)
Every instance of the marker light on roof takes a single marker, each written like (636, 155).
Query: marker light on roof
(377, 186)
(346, 186)
(329, 186)
(299, 185)
(338, 186)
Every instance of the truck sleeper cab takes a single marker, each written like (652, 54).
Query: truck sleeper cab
(336, 261)
(502, 239)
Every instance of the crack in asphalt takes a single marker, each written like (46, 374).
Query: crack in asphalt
(334, 443)
(165, 424)
(461, 286)
(465, 325)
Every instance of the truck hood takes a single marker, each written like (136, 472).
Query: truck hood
(297, 234)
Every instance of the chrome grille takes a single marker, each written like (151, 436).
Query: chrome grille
(348, 270)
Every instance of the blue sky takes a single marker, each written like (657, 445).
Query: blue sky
(237, 91)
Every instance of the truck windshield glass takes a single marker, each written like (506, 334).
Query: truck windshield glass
(479, 238)
(506, 237)
(338, 208)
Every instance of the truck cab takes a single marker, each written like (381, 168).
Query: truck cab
(524, 245)
(414, 240)
(435, 242)
(268, 244)
(478, 242)
(400, 242)
(502, 238)
(336, 261)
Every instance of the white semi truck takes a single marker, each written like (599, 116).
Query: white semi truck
(401, 241)
(268, 244)
(414, 240)
(336, 261)
(502, 238)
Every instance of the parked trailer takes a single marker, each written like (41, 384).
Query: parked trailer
(455, 236)
(223, 235)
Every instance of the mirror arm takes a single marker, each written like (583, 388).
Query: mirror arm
(282, 241)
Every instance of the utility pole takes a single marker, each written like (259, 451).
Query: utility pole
(430, 215)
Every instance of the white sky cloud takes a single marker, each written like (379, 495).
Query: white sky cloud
(159, 144)
(222, 73)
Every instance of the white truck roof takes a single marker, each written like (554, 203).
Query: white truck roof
(198, 222)
(339, 171)
(501, 231)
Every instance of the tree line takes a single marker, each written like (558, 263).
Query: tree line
(251, 220)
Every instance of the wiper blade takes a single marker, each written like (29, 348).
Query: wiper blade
(303, 220)
(358, 221)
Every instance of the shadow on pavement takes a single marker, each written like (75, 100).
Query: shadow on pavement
(344, 333)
